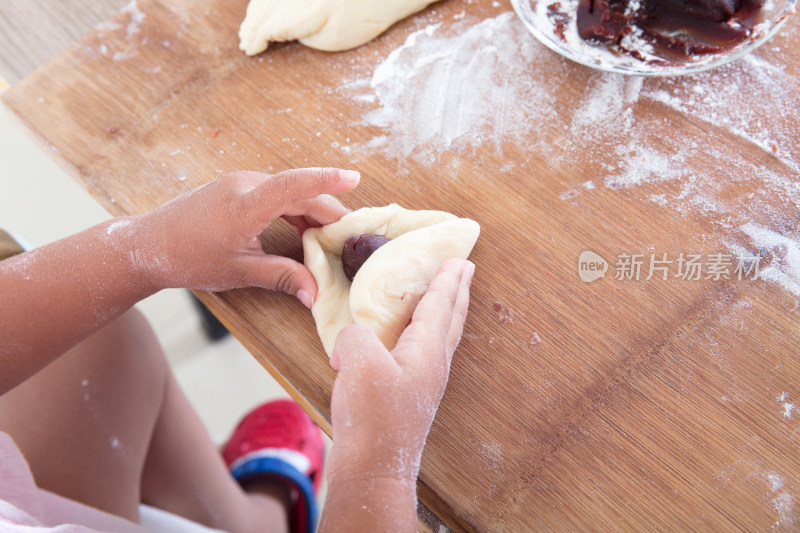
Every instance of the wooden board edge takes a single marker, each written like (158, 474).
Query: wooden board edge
(52, 152)
(436, 514)
(216, 306)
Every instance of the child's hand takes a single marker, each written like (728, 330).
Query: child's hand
(384, 402)
(208, 238)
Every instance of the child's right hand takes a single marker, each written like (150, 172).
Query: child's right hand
(383, 402)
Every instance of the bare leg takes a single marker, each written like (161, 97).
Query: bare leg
(107, 425)
(90, 416)
(192, 480)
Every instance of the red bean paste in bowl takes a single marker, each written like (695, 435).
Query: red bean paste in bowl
(676, 29)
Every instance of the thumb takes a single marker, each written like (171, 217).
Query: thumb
(282, 274)
(358, 349)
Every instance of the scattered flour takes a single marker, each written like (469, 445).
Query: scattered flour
(781, 500)
(783, 504)
(133, 18)
(492, 454)
(775, 482)
(639, 164)
(783, 254)
(438, 93)
(610, 100)
(787, 406)
(723, 97)
(136, 18)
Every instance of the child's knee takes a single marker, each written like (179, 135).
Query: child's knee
(130, 350)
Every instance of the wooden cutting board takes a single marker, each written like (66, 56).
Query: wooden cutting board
(622, 403)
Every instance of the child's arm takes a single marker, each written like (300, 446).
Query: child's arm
(53, 297)
(383, 405)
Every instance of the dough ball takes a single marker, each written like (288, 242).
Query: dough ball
(385, 290)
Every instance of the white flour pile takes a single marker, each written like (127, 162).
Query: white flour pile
(458, 86)
(439, 93)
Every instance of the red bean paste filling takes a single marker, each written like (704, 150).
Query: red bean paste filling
(357, 250)
(677, 28)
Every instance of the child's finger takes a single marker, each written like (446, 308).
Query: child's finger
(315, 213)
(426, 336)
(281, 191)
(459, 312)
(281, 274)
(298, 221)
(359, 351)
(319, 211)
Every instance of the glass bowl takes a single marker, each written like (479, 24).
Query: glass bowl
(534, 14)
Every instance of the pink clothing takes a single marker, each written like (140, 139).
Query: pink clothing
(26, 508)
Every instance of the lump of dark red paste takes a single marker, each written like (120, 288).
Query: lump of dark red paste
(602, 20)
(719, 22)
(683, 27)
(357, 250)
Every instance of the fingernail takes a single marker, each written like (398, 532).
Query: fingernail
(351, 176)
(470, 269)
(305, 298)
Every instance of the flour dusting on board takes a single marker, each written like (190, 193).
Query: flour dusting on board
(458, 92)
(724, 97)
(783, 254)
(639, 164)
(492, 455)
(781, 500)
(136, 17)
(787, 407)
(610, 101)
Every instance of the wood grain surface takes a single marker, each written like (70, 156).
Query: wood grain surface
(624, 403)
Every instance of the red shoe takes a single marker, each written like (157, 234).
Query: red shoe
(279, 441)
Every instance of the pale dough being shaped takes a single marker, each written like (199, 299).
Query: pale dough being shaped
(387, 287)
(330, 25)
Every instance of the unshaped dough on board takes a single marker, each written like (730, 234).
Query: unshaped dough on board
(330, 25)
(387, 287)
